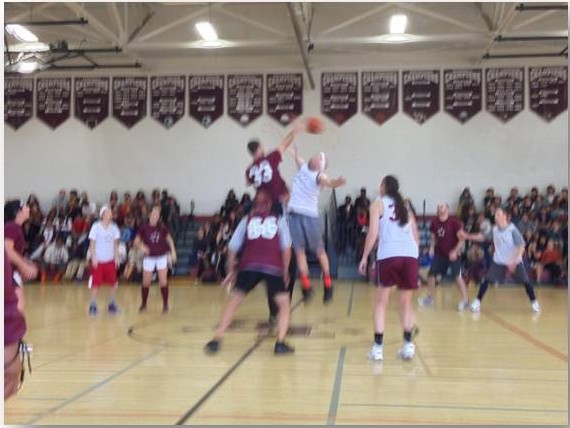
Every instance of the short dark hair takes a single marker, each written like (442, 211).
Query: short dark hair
(11, 209)
(252, 146)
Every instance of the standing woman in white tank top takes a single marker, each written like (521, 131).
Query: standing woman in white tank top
(396, 263)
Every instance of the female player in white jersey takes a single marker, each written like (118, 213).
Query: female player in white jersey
(396, 263)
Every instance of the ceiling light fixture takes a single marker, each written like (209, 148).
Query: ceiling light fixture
(27, 66)
(207, 31)
(398, 24)
(21, 33)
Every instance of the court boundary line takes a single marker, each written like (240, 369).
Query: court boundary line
(190, 412)
(335, 397)
(526, 336)
(350, 301)
(435, 406)
(92, 388)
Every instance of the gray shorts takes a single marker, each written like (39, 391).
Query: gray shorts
(497, 273)
(306, 233)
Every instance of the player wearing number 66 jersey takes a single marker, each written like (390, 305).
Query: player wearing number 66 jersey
(397, 263)
(265, 245)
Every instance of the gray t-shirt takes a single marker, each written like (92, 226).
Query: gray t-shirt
(507, 242)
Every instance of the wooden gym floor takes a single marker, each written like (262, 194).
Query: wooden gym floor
(503, 366)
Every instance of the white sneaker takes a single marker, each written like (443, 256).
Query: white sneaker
(535, 306)
(425, 301)
(461, 306)
(475, 306)
(376, 353)
(407, 351)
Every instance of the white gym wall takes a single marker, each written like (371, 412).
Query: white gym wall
(433, 161)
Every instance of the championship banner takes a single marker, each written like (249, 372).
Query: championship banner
(504, 90)
(53, 100)
(167, 99)
(18, 101)
(206, 94)
(129, 99)
(245, 97)
(284, 97)
(339, 96)
(379, 95)
(421, 94)
(463, 93)
(91, 96)
(548, 89)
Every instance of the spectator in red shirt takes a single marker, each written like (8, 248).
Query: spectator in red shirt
(445, 246)
(549, 261)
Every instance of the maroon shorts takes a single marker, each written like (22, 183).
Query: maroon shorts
(399, 271)
(104, 273)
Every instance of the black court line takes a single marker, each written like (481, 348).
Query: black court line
(188, 414)
(350, 300)
(333, 408)
(91, 388)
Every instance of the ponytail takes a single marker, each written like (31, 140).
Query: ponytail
(392, 187)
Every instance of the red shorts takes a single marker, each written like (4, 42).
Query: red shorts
(399, 271)
(104, 273)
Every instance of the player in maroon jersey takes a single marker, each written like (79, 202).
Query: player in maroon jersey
(265, 245)
(156, 243)
(263, 174)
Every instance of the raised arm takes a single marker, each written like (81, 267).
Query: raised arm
(333, 183)
(288, 140)
(295, 153)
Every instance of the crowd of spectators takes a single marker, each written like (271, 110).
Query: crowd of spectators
(542, 219)
(58, 241)
(209, 251)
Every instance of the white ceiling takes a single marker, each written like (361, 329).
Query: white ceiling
(463, 29)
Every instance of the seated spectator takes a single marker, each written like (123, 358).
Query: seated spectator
(47, 236)
(527, 205)
(550, 262)
(173, 217)
(199, 253)
(246, 202)
(73, 204)
(550, 193)
(80, 226)
(465, 201)
(128, 231)
(60, 203)
(514, 198)
(230, 204)
(155, 198)
(489, 197)
(469, 218)
(63, 225)
(54, 260)
(114, 204)
(346, 222)
(361, 230)
(76, 265)
(515, 215)
(533, 193)
(525, 224)
(125, 208)
(362, 201)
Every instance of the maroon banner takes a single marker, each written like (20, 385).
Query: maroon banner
(91, 100)
(548, 89)
(284, 97)
(380, 95)
(245, 97)
(206, 95)
(504, 91)
(462, 91)
(129, 99)
(53, 100)
(18, 101)
(339, 96)
(421, 94)
(167, 99)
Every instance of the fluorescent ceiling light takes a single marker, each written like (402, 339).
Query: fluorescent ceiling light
(30, 47)
(27, 66)
(21, 33)
(213, 44)
(207, 31)
(398, 24)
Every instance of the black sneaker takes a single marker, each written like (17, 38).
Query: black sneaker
(327, 297)
(283, 348)
(307, 294)
(212, 347)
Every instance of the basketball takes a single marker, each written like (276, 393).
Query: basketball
(315, 125)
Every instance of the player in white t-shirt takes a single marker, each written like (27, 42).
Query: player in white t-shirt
(104, 238)
(396, 263)
(304, 222)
